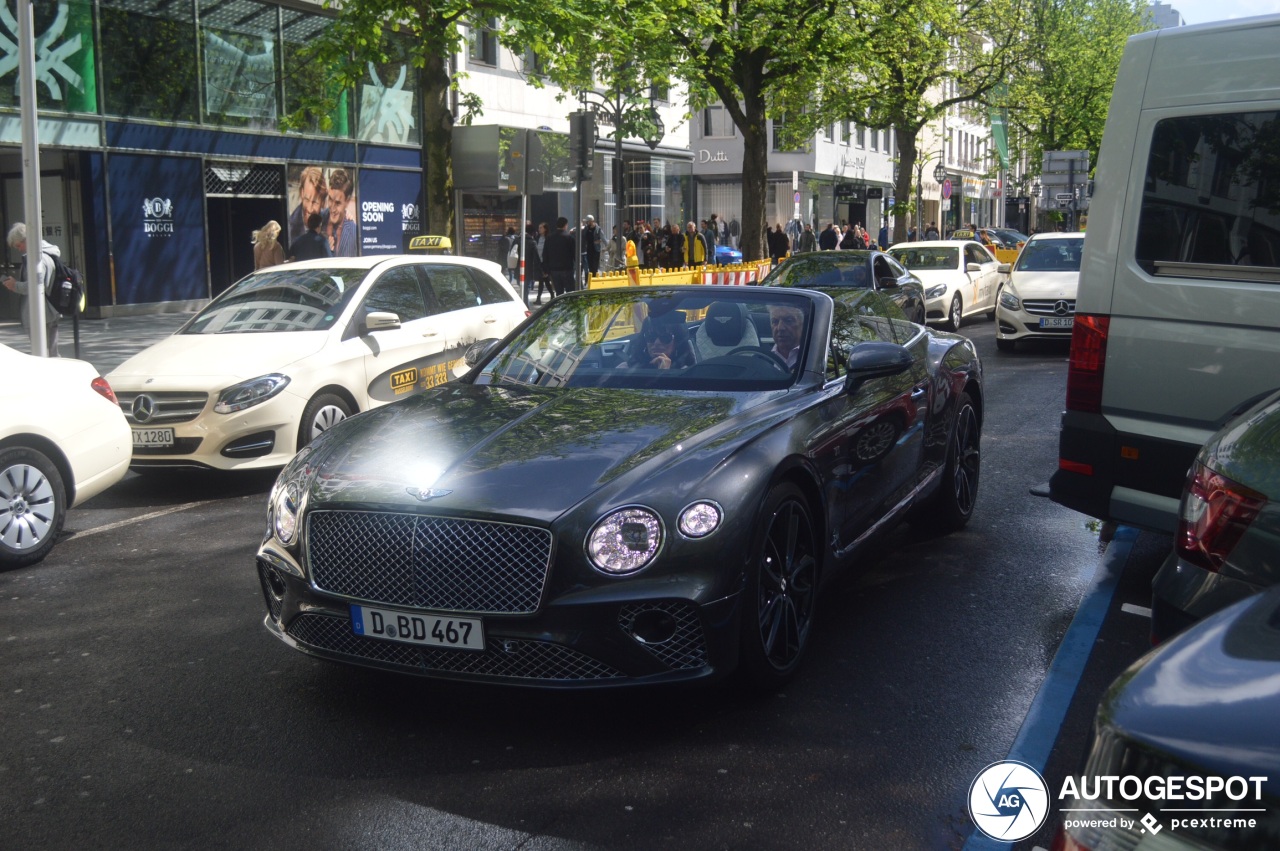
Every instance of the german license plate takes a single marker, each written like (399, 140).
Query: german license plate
(1057, 321)
(153, 437)
(418, 628)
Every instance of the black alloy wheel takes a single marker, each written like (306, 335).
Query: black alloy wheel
(782, 590)
(959, 490)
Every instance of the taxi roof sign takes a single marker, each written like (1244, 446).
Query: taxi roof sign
(430, 243)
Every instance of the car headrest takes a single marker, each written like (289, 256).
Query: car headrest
(725, 323)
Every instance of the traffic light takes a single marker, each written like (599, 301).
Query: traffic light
(582, 142)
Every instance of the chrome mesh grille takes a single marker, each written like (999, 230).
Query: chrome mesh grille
(438, 563)
(1046, 306)
(510, 658)
(169, 406)
(685, 649)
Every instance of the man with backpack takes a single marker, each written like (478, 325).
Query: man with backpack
(45, 267)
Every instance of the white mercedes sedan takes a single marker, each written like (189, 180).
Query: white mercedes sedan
(960, 278)
(1039, 300)
(290, 350)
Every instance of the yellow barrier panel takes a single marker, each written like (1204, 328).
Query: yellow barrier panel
(673, 277)
(1005, 255)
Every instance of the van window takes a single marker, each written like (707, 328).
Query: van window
(1212, 196)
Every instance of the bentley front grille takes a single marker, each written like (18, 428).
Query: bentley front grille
(509, 658)
(161, 408)
(438, 563)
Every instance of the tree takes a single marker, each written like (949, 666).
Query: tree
(918, 58)
(1059, 102)
(749, 55)
(423, 35)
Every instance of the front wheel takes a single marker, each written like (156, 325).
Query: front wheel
(33, 506)
(782, 590)
(321, 414)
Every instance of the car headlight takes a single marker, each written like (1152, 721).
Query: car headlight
(625, 541)
(700, 519)
(284, 513)
(284, 505)
(937, 291)
(246, 394)
(1009, 298)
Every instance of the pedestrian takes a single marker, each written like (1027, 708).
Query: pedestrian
(808, 241)
(931, 232)
(850, 239)
(311, 245)
(779, 244)
(735, 231)
(509, 254)
(267, 250)
(829, 239)
(558, 256)
(883, 238)
(793, 233)
(710, 234)
(592, 243)
(913, 235)
(535, 268)
(675, 247)
(697, 251)
(44, 275)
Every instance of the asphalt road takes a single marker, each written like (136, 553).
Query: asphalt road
(145, 705)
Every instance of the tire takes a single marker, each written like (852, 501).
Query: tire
(1005, 345)
(781, 591)
(955, 315)
(952, 507)
(322, 413)
(33, 506)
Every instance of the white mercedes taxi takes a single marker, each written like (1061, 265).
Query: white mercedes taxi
(62, 441)
(290, 350)
(1039, 299)
(960, 278)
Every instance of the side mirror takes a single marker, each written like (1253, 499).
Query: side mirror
(887, 284)
(381, 320)
(479, 350)
(875, 360)
(1005, 268)
(973, 267)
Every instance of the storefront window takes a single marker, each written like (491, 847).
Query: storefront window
(241, 60)
(65, 73)
(149, 66)
(306, 82)
(389, 100)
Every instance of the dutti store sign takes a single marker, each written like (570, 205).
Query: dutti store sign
(157, 225)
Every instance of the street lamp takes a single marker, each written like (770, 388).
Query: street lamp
(1035, 190)
(939, 175)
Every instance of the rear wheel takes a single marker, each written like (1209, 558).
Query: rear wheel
(953, 506)
(955, 314)
(781, 592)
(33, 506)
(321, 414)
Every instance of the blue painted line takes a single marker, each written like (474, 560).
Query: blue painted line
(1040, 728)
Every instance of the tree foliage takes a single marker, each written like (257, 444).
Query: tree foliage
(1059, 101)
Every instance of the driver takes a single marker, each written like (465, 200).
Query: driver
(787, 323)
(663, 344)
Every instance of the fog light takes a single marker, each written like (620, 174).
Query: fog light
(653, 626)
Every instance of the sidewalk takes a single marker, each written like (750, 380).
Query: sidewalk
(105, 343)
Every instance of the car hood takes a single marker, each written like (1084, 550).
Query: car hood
(518, 451)
(212, 361)
(1046, 284)
(1209, 697)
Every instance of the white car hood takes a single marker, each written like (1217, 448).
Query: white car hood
(1037, 285)
(213, 361)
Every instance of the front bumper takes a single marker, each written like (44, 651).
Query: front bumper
(614, 635)
(260, 437)
(1021, 325)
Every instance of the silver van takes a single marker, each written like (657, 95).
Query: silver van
(1177, 321)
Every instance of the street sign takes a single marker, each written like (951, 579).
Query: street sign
(1064, 196)
(946, 190)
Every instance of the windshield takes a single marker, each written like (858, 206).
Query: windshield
(280, 299)
(926, 259)
(1050, 255)
(666, 339)
(822, 269)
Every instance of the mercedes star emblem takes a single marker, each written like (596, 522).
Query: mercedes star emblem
(144, 408)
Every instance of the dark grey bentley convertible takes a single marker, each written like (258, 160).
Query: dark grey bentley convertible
(637, 486)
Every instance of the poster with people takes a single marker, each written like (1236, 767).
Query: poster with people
(330, 192)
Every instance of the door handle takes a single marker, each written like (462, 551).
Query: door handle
(431, 333)
(489, 320)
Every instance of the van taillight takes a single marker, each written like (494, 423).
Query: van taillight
(1215, 512)
(1088, 357)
